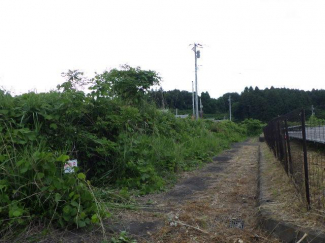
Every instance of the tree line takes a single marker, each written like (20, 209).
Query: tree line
(251, 103)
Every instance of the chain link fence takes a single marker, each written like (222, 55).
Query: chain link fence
(297, 139)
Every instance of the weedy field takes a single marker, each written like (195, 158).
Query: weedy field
(122, 142)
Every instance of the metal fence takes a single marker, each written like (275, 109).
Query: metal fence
(297, 139)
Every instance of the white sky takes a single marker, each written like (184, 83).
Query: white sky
(247, 42)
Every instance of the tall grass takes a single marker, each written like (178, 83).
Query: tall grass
(149, 160)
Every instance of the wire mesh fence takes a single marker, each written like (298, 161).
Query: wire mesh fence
(297, 139)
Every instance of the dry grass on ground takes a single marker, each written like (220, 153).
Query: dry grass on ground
(286, 204)
(227, 197)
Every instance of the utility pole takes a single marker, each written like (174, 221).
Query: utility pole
(229, 107)
(193, 99)
(201, 108)
(197, 55)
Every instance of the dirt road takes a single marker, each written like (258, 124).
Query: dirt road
(214, 204)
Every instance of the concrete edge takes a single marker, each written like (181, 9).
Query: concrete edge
(286, 232)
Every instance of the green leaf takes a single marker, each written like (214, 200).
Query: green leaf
(17, 213)
(57, 184)
(57, 197)
(20, 162)
(66, 209)
(54, 126)
(73, 212)
(39, 175)
(81, 223)
(82, 215)
(67, 218)
(94, 218)
(76, 196)
(24, 169)
(48, 117)
(62, 158)
(81, 176)
(74, 203)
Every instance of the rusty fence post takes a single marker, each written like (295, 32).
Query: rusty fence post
(280, 141)
(277, 139)
(286, 163)
(273, 134)
(290, 169)
(304, 144)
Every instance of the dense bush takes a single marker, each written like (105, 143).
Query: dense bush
(117, 136)
(34, 187)
(254, 127)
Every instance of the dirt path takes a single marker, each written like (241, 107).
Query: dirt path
(214, 204)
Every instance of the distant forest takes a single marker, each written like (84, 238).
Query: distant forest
(251, 103)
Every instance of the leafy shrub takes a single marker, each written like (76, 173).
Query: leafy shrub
(34, 187)
(254, 127)
(315, 121)
(234, 132)
(117, 140)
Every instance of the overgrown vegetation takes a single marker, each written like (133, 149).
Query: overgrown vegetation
(253, 127)
(118, 137)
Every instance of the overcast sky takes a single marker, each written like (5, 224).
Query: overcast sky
(246, 43)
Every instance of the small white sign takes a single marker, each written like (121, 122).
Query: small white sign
(69, 166)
